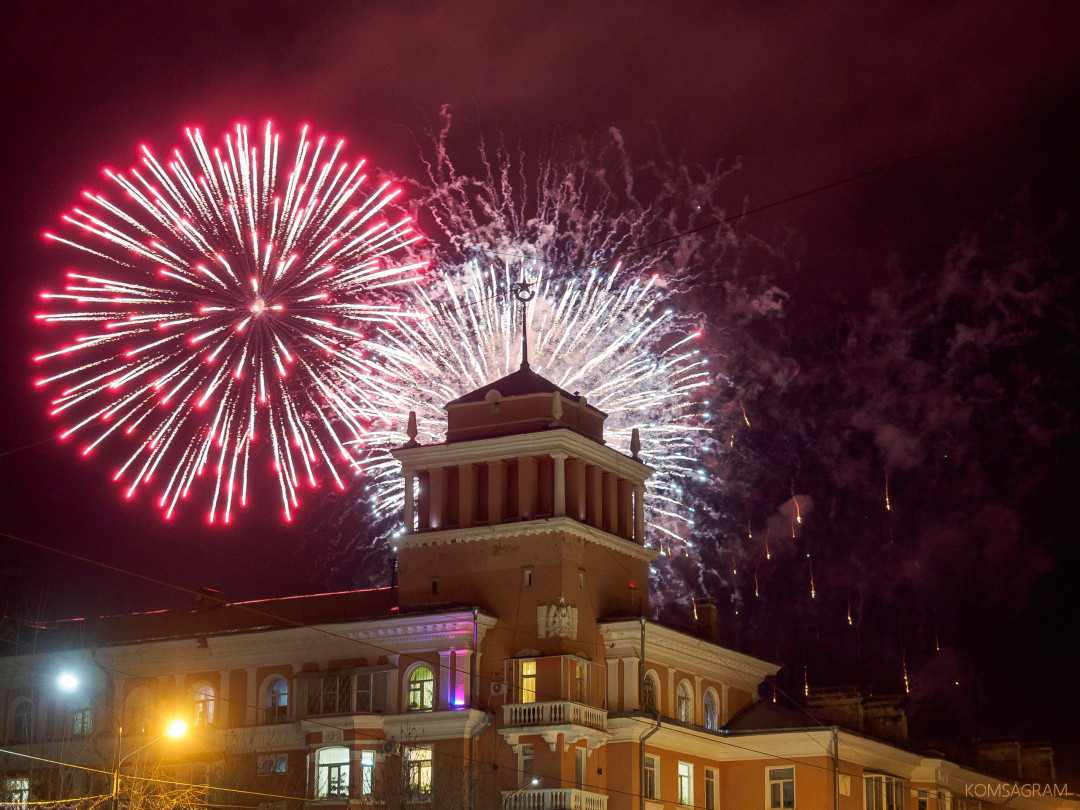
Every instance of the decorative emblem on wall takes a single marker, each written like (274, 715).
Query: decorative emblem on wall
(556, 620)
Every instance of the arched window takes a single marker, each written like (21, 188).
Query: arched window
(139, 711)
(82, 717)
(332, 777)
(276, 701)
(421, 689)
(204, 705)
(685, 703)
(712, 712)
(650, 698)
(22, 713)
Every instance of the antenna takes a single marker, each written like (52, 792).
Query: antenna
(524, 295)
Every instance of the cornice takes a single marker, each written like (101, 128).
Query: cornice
(523, 444)
(521, 528)
(420, 727)
(682, 651)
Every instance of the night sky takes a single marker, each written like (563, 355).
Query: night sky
(925, 327)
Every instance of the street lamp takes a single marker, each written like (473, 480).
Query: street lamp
(530, 784)
(176, 728)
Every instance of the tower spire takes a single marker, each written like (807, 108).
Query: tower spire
(524, 295)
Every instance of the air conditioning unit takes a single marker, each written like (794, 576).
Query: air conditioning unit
(389, 747)
(497, 688)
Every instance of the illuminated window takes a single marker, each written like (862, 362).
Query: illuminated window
(781, 788)
(204, 705)
(418, 771)
(686, 783)
(685, 703)
(421, 689)
(712, 714)
(650, 698)
(367, 773)
(18, 792)
(276, 701)
(528, 681)
(883, 792)
(652, 777)
(332, 778)
(271, 764)
(579, 681)
(82, 717)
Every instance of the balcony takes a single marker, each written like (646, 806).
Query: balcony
(556, 799)
(554, 713)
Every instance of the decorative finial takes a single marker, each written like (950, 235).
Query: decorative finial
(635, 444)
(412, 431)
(556, 405)
(524, 295)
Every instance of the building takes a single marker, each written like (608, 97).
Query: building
(512, 665)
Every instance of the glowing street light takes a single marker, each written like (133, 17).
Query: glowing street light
(176, 728)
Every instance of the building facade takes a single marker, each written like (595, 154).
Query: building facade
(513, 664)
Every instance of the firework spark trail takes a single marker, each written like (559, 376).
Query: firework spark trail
(590, 334)
(230, 315)
(597, 327)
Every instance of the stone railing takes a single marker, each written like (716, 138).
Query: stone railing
(556, 799)
(554, 713)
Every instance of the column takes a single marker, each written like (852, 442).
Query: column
(393, 684)
(626, 509)
(639, 515)
(466, 495)
(611, 503)
(527, 482)
(558, 503)
(254, 700)
(575, 488)
(594, 497)
(613, 702)
(462, 679)
(437, 485)
(223, 714)
(496, 491)
(630, 684)
(410, 506)
(446, 679)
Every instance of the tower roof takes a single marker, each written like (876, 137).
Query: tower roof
(517, 383)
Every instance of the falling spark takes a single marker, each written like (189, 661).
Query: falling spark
(798, 514)
(743, 408)
(850, 624)
(907, 685)
(693, 602)
(806, 681)
(756, 591)
(734, 567)
(887, 506)
(768, 554)
(231, 314)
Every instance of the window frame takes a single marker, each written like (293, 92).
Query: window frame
(888, 794)
(413, 682)
(684, 702)
(684, 783)
(275, 703)
(712, 788)
(367, 772)
(203, 705)
(771, 780)
(17, 789)
(710, 694)
(422, 767)
(139, 710)
(333, 773)
(527, 668)
(651, 680)
(652, 777)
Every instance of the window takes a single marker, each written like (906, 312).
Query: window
(650, 699)
(346, 693)
(526, 762)
(18, 791)
(367, 773)
(421, 689)
(712, 714)
(271, 764)
(780, 788)
(581, 577)
(22, 711)
(685, 704)
(82, 717)
(712, 788)
(418, 771)
(579, 682)
(686, 783)
(923, 800)
(528, 681)
(528, 577)
(276, 701)
(204, 703)
(883, 792)
(139, 711)
(581, 766)
(332, 777)
(652, 777)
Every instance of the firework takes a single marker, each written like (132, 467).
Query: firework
(228, 318)
(596, 333)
